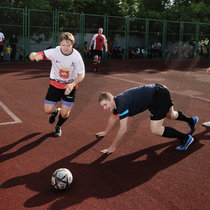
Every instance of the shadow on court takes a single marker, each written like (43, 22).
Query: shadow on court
(23, 149)
(102, 179)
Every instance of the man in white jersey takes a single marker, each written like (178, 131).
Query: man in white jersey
(98, 40)
(1, 44)
(67, 71)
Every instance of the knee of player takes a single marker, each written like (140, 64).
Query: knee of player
(155, 130)
(65, 114)
(172, 115)
(48, 111)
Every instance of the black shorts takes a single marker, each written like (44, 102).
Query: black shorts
(1, 48)
(161, 103)
(97, 52)
(54, 95)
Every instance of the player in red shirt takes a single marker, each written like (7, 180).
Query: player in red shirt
(98, 40)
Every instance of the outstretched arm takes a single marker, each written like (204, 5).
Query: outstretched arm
(36, 56)
(111, 121)
(122, 130)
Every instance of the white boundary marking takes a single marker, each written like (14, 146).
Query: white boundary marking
(131, 81)
(13, 116)
(127, 80)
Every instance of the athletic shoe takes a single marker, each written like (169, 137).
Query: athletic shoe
(207, 124)
(186, 144)
(54, 115)
(58, 131)
(94, 70)
(192, 127)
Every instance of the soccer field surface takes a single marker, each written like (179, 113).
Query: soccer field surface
(145, 172)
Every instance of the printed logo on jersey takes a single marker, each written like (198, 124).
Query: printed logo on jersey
(64, 73)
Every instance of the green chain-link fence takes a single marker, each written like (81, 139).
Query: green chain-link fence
(37, 30)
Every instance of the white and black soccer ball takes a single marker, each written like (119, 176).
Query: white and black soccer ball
(61, 179)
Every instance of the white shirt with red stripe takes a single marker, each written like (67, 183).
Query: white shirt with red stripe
(65, 68)
(99, 40)
(1, 38)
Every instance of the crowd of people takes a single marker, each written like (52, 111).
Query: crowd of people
(11, 49)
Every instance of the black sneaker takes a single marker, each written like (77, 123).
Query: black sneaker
(54, 115)
(58, 131)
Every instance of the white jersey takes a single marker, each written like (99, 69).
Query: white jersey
(65, 68)
(1, 37)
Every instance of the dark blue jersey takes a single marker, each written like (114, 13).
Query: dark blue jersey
(134, 100)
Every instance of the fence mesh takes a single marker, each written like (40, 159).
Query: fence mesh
(127, 37)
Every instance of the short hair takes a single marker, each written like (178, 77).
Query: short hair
(66, 36)
(105, 96)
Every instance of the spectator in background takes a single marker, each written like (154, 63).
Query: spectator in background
(13, 42)
(8, 52)
(21, 52)
(2, 37)
(87, 54)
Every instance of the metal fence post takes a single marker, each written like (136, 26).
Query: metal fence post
(197, 38)
(164, 39)
(105, 33)
(25, 37)
(127, 32)
(82, 27)
(55, 28)
(181, 29)
(146, 36)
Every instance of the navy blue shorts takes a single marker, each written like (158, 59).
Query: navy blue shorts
(161, 103)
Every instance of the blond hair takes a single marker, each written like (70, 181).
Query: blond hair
(105, 96)
(66, 36)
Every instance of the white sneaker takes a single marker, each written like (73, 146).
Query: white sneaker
(207, 124)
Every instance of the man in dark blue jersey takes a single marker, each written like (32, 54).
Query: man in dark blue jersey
(153, 97)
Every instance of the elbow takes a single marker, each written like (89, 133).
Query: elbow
(82, 76)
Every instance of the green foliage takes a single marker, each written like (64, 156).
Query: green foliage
(186, 10)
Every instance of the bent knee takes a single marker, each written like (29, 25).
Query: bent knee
(156, 130)
(172, 115)
(65, 114)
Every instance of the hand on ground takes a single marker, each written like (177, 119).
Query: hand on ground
(101, 134)
(109, 150)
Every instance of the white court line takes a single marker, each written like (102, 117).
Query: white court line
(131, 81)
(13, 116)
(127, 80)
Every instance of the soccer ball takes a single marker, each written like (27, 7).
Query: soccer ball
(61, 179)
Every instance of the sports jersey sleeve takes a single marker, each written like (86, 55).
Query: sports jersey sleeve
(115, 112)
(79, 65)
(105, 40)
(123, 114)
(94, 37)
(49, 53)
(122, 107)
(42, 53)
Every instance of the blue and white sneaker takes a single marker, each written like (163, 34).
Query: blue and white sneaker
(193, 127)
(186, 144)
